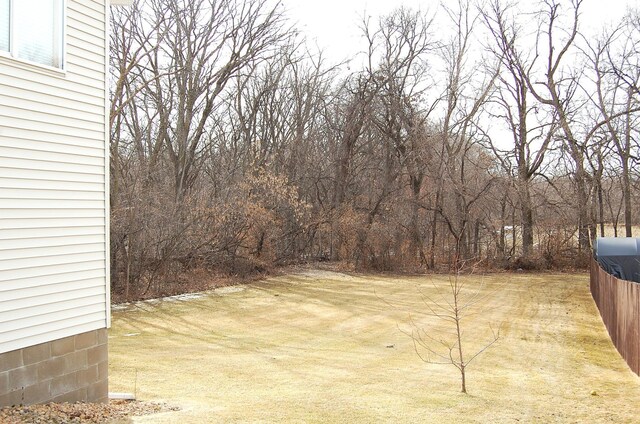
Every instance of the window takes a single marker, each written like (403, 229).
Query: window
(32, 30)
(4, 24)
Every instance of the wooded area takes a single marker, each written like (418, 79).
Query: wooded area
(496, 132)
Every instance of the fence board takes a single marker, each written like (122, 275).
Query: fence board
(619, 304)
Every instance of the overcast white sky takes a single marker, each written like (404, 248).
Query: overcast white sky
(332, 24)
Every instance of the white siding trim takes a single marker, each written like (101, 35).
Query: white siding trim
(107, 168)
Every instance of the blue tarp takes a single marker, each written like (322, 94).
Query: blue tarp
(619, 256)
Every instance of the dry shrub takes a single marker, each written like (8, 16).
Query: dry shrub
(528, 263)
(558, 248)
(156, 239)
(345, 233)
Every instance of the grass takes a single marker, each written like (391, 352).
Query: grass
(327, 347)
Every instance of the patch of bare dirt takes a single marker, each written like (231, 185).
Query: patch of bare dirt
(116, 411)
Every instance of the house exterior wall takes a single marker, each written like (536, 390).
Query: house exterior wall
(70, 369)
(54, 280)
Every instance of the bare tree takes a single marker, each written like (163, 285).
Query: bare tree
(624, 63)
(558, 90)
(405, 45)
(531, 126)
(467, 91)
(204, 44)
(616, 101)
(453, 304)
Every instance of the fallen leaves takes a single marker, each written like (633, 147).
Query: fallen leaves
(80, 412)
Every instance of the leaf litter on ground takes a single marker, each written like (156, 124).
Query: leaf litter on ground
(116, 411)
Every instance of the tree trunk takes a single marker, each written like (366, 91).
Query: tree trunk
(626, 193)
(526, 218)
(600, 209)
(416, 250)
(434, 228)
(583, 208)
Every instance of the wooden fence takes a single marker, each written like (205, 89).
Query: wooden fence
(619, 305)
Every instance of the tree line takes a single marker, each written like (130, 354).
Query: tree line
(498, 132)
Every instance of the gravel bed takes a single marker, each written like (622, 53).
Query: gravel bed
(80, 412)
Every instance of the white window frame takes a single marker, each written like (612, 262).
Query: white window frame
(62, 27)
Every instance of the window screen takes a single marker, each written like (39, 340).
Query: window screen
(4, 24)
(37, 31)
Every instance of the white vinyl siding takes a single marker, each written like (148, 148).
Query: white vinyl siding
(54, 189)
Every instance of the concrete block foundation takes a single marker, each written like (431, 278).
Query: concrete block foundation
(65, 370)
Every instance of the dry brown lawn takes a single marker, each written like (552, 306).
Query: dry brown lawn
(320, 346)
